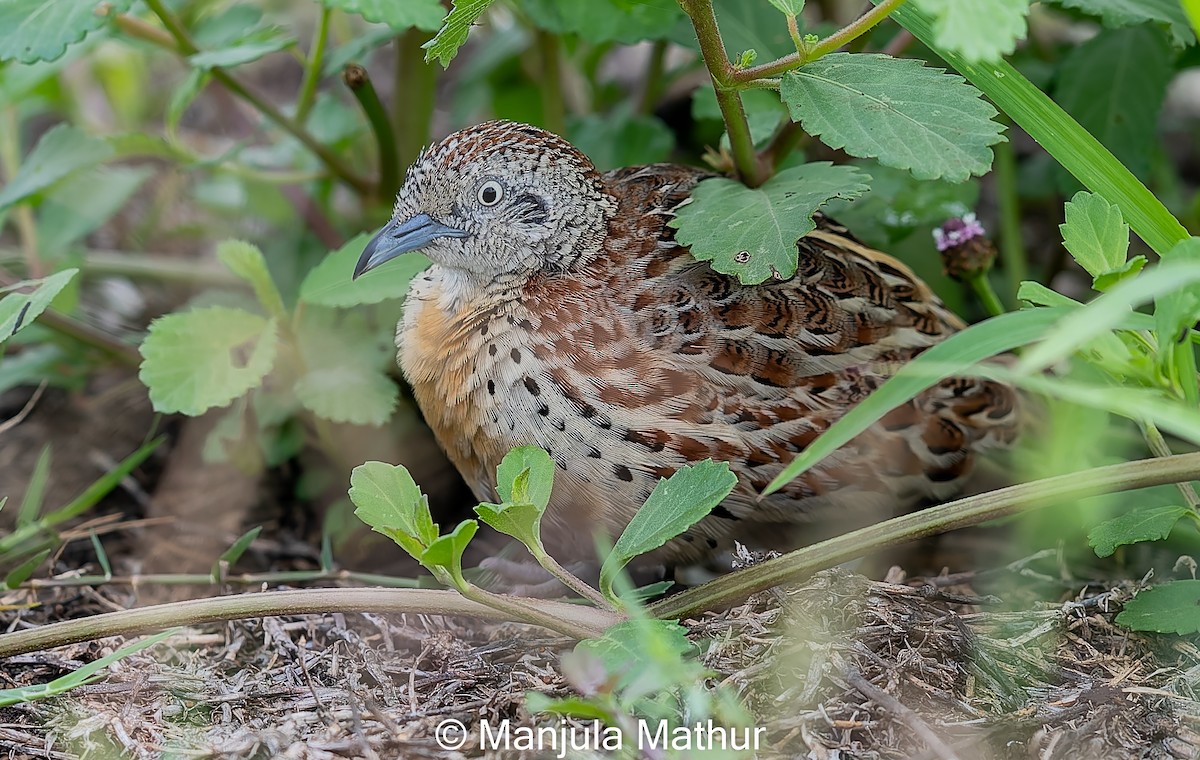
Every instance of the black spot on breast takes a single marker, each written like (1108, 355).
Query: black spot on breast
(560, 425)
(532, 386)
(483, 329)
(491, 388)
(544, 410)
(492, 350)
(516, 356)
(623, 473)
(594, 453)
(712, 542)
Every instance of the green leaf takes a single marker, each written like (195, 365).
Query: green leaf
(599, 21)
(633, 647)
(621, 138)
(445, 44)
(346, 378)
(1114, 85)
(19, 310)
(257, 44)
(979, 30)
(541, 475)
(386, 498)
(1118, 13)
(31, 502)
(41, 30)
(181, 98)
(958, 352)
(896, 110)
(789, 7)
(752, 233)
(576, 707)
(676, 504)
(446, 551)
(422, 14)
(71, 210)
(77, 678)
(33, 365)
(102, 486)
(247, 262)
(1150, 524)
(1039, 295)
(230, 556)
(521, 520)
(62, 150)
(1170, 608)
(329, 283)
(25, 570)
(1095, 234)
(195, 360)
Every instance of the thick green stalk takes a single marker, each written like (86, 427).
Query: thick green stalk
(359, 82)
(312, 67)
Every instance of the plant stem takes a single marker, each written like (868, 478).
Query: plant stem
(1159, 448)
(550, 81)
(1012, 248)
(798, 565)
(571, 581)
(712, 49)
(10, 165)
(413, 96)
(846, 34)
(299, 602)
(312, 67)
(182, 45)
(982, 286)
(530, 611)
(359, 82)
(655, 69)
(149, 266)
(782, 143)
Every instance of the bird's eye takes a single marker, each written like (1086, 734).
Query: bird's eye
(490, 193)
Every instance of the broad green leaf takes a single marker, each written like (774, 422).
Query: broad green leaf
(1108, 310)
(18, 310)
(1118, 13)
(62, 150)
(896, 110)
(71, 210)
(521, 520)
(41, 30)
(455, 27)
(599, 21)
(958, 352)
(1174, 316)
(1114, 85)
(621, 138)
(789, 7)
(204, 358)
(978, 30)
(541, 475)
(386, 498)
(1150, 524)
(1170, 608)
(31, 502)
(247, 262)
(77, 678)
(1095, 234)
(446, 551)
(329, 283)
(346, 362)
(676, 504)
(752, 233)
(256, 45)
(423, 14)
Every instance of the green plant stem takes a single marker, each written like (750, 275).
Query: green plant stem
(655, 69)
(532, 611)
(181, 44)
(982, 286)
(312, 67)
(549, 80)
(712, 50)
(147, 266)
(413, 96)
(359, 82)
(782, 143)
(570, 580)
(274, 603)
(1159, 448)
(1012, 248)
(240, 579)
(10, 165)
(798, 565)
(846, 34)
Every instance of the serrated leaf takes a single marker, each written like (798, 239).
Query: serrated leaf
(195, 360)
(676, 504)
(1150, 524)
(446, 551)
(19, 310)
(261, 43)
(979, 30)
(1170, 608)
(455, 27)
(1114, 85)
(41, 30)
(386, 498)
(247, 262)
(1095, 234)
(422, 14)
(1128, 269)
(71, 210)
(1118, 13)
(599, 21)
(896, 110)
(346, 361)
(330, 283)
(789, 7)
(540, 479)
(59, 152)
(752, 232)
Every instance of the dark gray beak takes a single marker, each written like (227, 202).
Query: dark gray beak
(401, 237)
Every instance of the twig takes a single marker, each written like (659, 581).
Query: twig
(359, 82)
(20, 416)
(902, 714)
(312, 67)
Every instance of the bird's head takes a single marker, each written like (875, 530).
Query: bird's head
(497, 199)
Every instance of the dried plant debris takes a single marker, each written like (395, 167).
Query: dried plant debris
(839, 667)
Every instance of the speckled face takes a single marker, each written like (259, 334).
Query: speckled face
(497, 198)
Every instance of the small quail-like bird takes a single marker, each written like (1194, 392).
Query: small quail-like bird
(560, 312)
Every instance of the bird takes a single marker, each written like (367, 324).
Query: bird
(560, 312)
